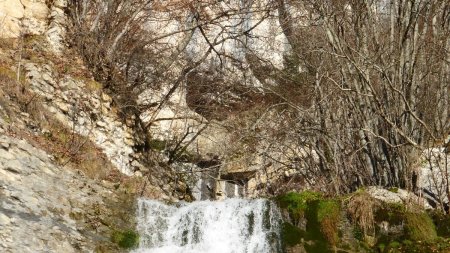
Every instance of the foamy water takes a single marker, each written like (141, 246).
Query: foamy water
(228, 226)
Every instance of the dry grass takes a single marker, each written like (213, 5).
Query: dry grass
(93, 85)
(70, 149)
(8, 43)
(74, 150)
(361, 208)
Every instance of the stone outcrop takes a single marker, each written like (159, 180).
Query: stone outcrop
(34, 17)
(87, 111)
(47, 208)
(432, 174)
(20, 17)
(77, 102)
(397, 196)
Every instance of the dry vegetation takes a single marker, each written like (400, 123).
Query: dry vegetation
(361, 209)
(357, 92)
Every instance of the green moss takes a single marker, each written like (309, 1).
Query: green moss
(322, 217)
(420, 227)
(329, 216)
(381, 247)
(407, 246)
(297, 203)
(393, 189)
(291, 235)
(328, 209)
(125, 239)
(314, 230)
(392, 213)
(407, 242)
(442, 223)
(394, 245)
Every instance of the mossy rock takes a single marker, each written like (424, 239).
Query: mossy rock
(392, 213)
(329, 216)
(418, 234)
(291, 235)
(322, 216)
(407, 246)
(127, 239)
(442, 222)
(420, 227)
(297, 203)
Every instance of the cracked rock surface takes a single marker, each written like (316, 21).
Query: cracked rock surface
(44, 207)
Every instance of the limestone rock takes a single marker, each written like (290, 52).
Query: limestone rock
(23, 17)
(106, 130)
(398, 196)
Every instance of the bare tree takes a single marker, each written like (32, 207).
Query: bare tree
(362, 90)
(374, 69)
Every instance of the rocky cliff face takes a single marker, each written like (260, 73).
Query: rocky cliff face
(47, 208)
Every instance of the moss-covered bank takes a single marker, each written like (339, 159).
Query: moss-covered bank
(359, 223)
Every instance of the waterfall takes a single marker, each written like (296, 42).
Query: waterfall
(228, 226)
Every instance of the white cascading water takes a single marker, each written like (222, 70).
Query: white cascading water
(228, 226)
